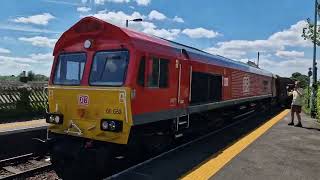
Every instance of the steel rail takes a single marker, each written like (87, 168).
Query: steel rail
(22, 173)
(183, 145)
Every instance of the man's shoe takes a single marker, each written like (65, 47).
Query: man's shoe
(298, 125)
(291, 124)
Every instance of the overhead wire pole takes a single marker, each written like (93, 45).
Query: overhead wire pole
(258, 59)
(314, 63)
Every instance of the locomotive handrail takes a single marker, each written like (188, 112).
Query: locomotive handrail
(190, 83)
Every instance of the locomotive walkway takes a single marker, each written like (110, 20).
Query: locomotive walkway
(272, 151)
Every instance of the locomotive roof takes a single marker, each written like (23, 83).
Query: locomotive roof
(193, 53)
(220, 60)
(200, 55)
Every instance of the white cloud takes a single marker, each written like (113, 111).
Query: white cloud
(276, 42)
(283, 68)
(290, 54)
(26, 28)
(39, 63)
(143, 2)
(62, 2)
(32, 58)
(39, 41)
(8, 67)
(200, 33)
(291, 37)
(286, 67)
(276, 58)
(40, 19)
(178, 19)
(4, 51)
(119, 18)
(139, 2)
(156, 15)
(101, 2)
(83, 9)
(233, 54)
(39, 57)
(240, 48)
(170, 34)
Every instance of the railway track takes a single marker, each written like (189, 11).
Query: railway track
(28, 165)
(23, 166)
(239, 119)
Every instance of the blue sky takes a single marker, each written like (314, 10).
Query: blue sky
(232, 28)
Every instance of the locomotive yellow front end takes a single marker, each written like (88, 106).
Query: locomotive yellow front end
(90, 126)
(89, 98)
(89, 110)
(95, 113)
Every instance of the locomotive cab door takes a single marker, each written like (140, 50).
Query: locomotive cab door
(183, 91)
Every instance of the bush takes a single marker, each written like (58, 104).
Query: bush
(306, 105)
(306, 101)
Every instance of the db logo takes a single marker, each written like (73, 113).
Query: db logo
(246, 84)
(83, 100)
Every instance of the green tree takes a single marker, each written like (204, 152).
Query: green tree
(40, 77)
(31, 76)
(304, 79)
(308, 34)
(9, 78)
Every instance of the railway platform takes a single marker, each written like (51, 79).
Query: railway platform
(274, 150)
(24, 126)
(18, 138)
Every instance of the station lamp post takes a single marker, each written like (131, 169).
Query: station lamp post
(309, 75)
(314, 63)
(134, 20)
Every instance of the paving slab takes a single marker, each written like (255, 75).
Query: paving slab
(284, 152)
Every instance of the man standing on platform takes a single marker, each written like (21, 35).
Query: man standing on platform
(297, 94)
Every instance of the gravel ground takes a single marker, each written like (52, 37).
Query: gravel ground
(4, 173)
(50, 175)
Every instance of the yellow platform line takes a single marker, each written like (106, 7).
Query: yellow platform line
(215, 163)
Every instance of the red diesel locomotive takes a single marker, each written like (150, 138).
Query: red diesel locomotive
(113, 91)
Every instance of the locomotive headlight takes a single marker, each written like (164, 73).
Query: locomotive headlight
(57, 119)
(51, 119)
(87, 44)
(111, 125)
(104, 125)
(54, 118)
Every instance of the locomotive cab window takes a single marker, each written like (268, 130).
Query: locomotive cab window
(158, 73)
(69, 69)
(141, 71)
(108, 68)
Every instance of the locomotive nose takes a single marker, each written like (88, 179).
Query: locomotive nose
(96, 113)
